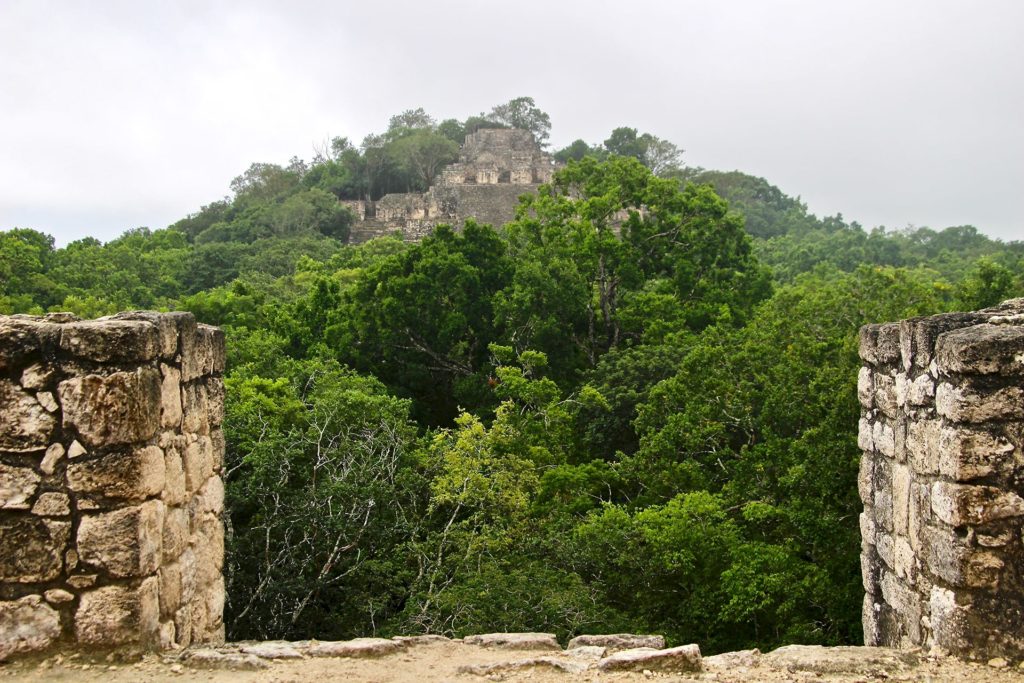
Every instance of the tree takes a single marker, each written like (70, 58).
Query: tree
(661, 156)
(523, 113)
(423, 154)
(410, 120)
(591, 239)
(321, 497)
(576, 151)
(453, 129)
(422, 320)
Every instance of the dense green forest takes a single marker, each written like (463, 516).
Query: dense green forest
(562, 424)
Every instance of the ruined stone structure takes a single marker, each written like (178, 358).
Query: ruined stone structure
(941, 478)
(495, 166)
(110, 488)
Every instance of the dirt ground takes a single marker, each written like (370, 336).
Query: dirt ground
(442, 661)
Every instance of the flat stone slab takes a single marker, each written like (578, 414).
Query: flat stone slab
(271, 650)
(515, 641)
(208, 658)
(426, 639)
(558, 663)
(618, 641)
(674, 659)
(357, 647)
(840, 660)
(593, 652)
(733, 660)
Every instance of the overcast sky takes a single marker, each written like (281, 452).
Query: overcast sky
(893, 112)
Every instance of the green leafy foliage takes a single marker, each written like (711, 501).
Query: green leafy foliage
(632, 408)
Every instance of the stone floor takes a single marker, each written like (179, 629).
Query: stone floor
(537, 658)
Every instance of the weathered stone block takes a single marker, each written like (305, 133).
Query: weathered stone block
(132, 475)
(869, 571)
(885, 395)
(901, 483)
(209, 500)
(969, 403)
(218, 357)
(125, 542)
(27, 625)
(32, 548)
(866, 388)
(47, 401)
(202, 351)
(82, 581)
(213, 599)
(120, 408)
(676, 659)
(52, 504)
(920, 391)
(966, 453)
(880, 344)
(198, 463)
(25, 425)
(920, 513)
(904, 562)
(36, 376)
(215, 400)
(167, 330)
(865, 437)
(111, 340)
(868, 531)
(119, 615)
(170, 397)
(923, 446)
(169, 578)
(884, 438)
(183, 626)
(949, 620)
(58, 596)
(187, 565)
(54, 454)
(196, 409)
(20, 338)
(17, 486)
(964, 504)
(905, 601)
(885, 548)
(217, 444)
(953, 560)
(76, 450)
(176, 533)
(982, 349)
(918, 336)
(208, 547)
(900, 429)
(869, 620)
(175, 487)
(168, 635)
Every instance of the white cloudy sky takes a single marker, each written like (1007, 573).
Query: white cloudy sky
(894, 112)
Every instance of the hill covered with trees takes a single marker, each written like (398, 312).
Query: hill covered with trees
(576, 422)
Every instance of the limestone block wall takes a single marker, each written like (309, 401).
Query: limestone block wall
(110, 487)
(942, 479)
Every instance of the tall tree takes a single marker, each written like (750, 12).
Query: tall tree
(522, 112)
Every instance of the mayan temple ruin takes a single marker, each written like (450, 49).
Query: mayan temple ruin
(495, 167)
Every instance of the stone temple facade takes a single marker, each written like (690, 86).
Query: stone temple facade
(495, 167)
(942, 480)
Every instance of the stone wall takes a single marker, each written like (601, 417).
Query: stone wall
(110, 488)
(941, 478)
